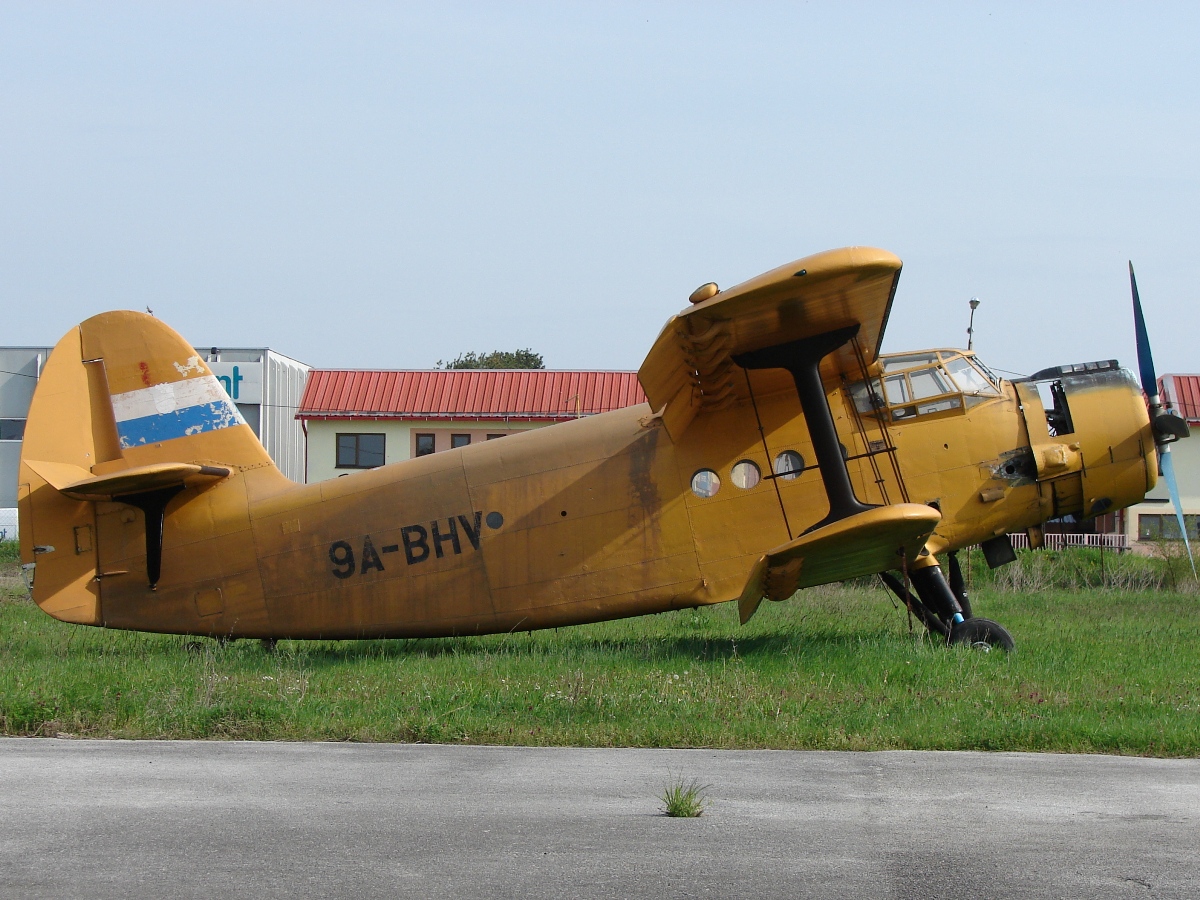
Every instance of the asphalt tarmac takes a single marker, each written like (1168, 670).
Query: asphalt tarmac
(101, 819)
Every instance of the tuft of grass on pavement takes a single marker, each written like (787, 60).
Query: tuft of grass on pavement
(684, 799)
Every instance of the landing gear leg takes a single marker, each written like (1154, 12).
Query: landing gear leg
(983, 634)
(931, 587)
(958, 587)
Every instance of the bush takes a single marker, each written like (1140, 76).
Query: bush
(1081, 568)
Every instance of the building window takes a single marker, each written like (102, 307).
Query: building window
(12, 429)
(359, 451)
(425, 444)
(492, 437)
(1157, 527)
(459, 440)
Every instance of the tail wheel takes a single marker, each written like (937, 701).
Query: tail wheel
(982, 634)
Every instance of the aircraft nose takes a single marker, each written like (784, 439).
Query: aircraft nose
(1099, 425)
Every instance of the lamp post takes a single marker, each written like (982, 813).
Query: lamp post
(971, 325)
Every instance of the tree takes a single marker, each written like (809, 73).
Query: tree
(497, 359)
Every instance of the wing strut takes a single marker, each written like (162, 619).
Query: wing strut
(802, 359)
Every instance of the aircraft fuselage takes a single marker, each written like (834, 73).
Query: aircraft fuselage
(593, 519)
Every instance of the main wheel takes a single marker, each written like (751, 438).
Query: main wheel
(982, 634)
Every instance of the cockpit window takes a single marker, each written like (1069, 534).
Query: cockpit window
(918, 384)
(867, 396)
(991, 376)
(909, 361)
(969, 379)
(928, 383)
(897, 390)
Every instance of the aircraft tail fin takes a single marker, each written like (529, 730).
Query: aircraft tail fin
(123, 390)
(124, 407)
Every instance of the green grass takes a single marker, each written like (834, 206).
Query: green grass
(684, 799)
(1096, 670)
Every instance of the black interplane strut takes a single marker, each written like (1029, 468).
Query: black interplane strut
(153, 505)
(802, 359)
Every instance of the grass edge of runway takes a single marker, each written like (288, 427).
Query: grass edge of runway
(1099, 669)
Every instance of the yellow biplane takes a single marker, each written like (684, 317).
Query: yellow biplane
(778, 450)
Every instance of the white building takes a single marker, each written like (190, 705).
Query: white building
(20, 369)
(267, 387)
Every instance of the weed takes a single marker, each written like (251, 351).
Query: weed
(684, 799)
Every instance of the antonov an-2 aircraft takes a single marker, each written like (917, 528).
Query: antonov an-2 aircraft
(778, 450)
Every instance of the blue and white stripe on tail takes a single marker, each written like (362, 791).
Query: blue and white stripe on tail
(164, 412)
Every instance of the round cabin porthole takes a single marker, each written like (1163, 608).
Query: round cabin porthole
(745, 475)
(706, 483)
(788, 465)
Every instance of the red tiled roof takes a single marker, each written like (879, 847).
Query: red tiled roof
(465, 394)
(1182, 393)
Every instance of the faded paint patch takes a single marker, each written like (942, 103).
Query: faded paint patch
(643, 489)
(192, 365)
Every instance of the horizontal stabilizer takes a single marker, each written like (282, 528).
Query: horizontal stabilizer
(78, 484)
(863, 544)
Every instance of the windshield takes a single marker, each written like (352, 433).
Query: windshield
(969, 379)
(918, 384)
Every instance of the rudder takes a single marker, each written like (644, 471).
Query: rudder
(125, 406)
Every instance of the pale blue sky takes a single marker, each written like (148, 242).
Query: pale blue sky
(387, 185)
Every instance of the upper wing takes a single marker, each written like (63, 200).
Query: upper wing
(690, 367)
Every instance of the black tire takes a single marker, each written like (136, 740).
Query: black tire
(983, 634)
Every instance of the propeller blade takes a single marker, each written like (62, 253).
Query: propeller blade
(1145, 360)
(1168, 469)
